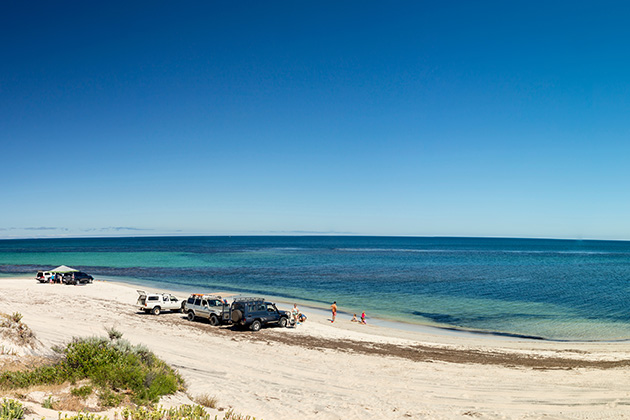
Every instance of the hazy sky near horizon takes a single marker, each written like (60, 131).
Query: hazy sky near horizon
(487, 118)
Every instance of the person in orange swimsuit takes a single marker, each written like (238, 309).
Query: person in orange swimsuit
(333, 308)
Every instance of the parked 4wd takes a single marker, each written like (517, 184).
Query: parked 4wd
(210, 307)
(77, 277)
(255, 312)
(157, 302)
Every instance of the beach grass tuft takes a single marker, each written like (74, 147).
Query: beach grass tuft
(206, 401)
(15, 330)
(113, 334)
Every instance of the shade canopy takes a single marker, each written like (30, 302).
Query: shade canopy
(63, 269)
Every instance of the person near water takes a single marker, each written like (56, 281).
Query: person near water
(333, 308)
(363, 318)
(295, 313)
(354, 318)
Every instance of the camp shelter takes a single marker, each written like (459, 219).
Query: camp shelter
(63, 269)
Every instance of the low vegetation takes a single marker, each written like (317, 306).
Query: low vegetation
(12, 328)
(116, 371)
(119, 371)
(183, 412)
(11, 410)
(206, 400)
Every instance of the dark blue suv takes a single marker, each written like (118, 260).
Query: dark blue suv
(255, 312)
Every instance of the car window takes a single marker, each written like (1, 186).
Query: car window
(153, 298)
(191, 300)
(198, 301)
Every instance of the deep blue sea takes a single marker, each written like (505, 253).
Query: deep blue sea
(550, 289)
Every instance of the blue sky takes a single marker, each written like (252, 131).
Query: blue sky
(378, 118)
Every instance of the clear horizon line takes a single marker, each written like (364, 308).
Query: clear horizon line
(308, 234)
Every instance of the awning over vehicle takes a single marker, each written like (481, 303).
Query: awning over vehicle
(63, 269)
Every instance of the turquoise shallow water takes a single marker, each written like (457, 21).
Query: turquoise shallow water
(551, 289)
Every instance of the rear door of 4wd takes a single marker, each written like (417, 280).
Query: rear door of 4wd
(142, 297)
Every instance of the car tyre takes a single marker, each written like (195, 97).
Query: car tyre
(214, 320)
(283, 322)
(237, 315)
(191, 316)
(156, 310)
(255, 326)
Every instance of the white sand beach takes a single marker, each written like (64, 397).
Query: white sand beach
(343, 370)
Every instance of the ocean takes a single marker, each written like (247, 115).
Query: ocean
(536, 288)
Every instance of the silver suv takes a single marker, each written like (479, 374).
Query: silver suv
(210, 307)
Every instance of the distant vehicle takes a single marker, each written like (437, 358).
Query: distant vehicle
(77, 277)
(43, 276)
(210, 307)
(155, 303)
(255, 312)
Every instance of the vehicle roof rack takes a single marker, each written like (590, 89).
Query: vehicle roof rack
(249, 299)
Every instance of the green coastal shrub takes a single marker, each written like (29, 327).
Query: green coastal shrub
(111, 366)
(82, 392)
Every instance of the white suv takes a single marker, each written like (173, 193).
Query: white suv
(158, 302)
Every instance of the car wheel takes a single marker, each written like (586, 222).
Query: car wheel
(237, 315)
(282, 322)
(255, 326)
(214, 321)
(191, 316)
(156, 310)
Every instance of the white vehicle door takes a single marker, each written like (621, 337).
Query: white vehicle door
(171, 302)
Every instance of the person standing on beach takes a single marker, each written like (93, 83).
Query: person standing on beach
(333, 308)
(295, 313)
(363, 318)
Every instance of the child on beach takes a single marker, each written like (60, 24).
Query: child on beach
(354, 318)
(333, 308)
(363, 318)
